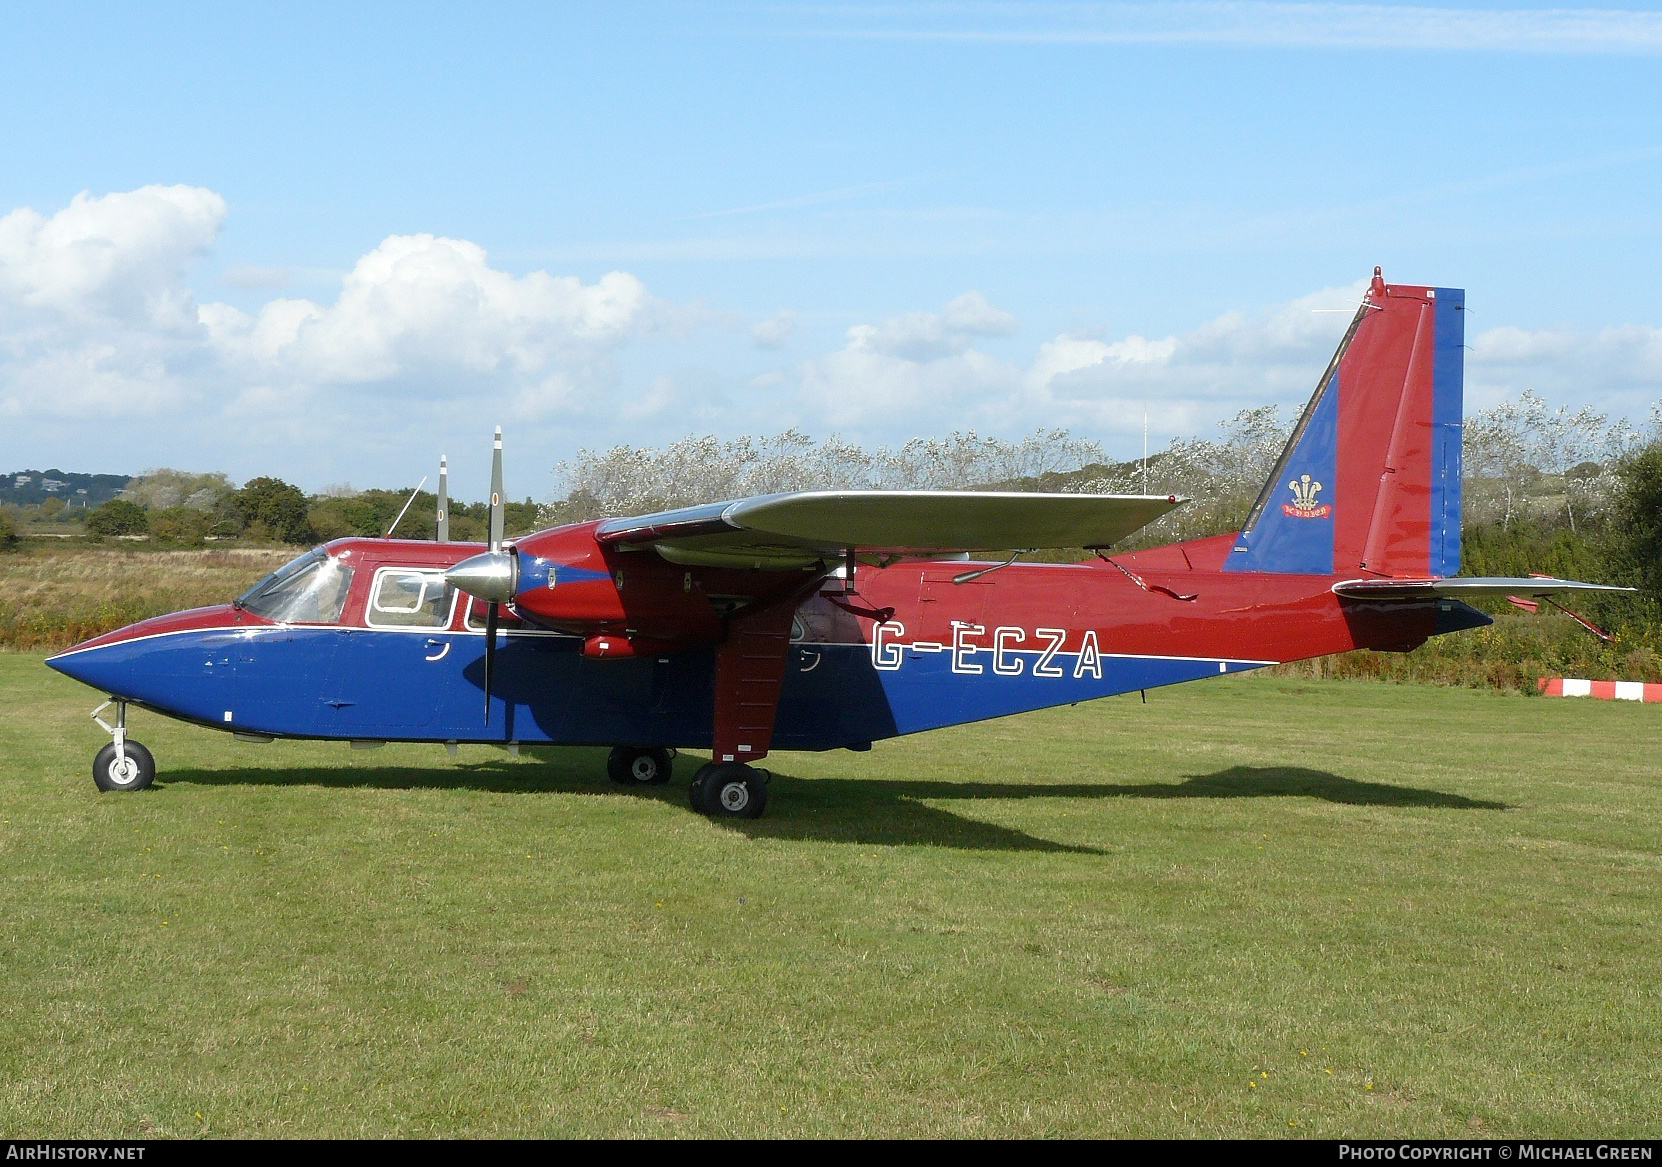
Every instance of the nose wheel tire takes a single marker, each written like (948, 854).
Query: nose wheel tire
(135, 771)
(639, 766)
(728, 790)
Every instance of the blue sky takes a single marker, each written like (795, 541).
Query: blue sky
(328, 245)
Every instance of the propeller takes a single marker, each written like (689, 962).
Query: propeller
(493, 608)
(443, 533)
(491, 577)
(490, 652)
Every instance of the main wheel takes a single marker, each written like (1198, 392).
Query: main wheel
(639, 766)
(730, 790)
(111, 772)
(695, 792)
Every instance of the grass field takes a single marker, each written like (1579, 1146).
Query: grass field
(51, 598)
(1251, 907)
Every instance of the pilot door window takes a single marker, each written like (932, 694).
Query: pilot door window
(405, 598)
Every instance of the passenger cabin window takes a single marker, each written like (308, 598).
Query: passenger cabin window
(474, 621)
(407, 598)
(310, 590)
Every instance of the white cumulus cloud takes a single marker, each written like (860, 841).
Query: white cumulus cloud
(1617, 371)
(116, 257)
(923, 369)
(774, 331)
(917, 369)
(899, 377)
(421, 303)
(924, 336)
(99, 320)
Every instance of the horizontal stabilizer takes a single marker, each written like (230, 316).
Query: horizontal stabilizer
(800, 529)
(1465, 589)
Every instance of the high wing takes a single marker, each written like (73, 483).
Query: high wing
(1536, 586)
(802, 528)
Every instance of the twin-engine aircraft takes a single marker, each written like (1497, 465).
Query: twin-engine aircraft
(825, 620)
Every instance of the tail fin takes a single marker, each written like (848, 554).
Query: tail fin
(1370, 480)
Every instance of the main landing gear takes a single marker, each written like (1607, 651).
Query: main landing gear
(729, 790)
(124, 764)
(640, 766)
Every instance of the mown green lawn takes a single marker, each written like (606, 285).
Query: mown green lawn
(1250, 907)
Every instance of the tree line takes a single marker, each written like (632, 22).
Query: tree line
(179, 509)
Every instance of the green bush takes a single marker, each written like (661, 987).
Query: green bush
(270, 507)
(118, 517)
(180, 526)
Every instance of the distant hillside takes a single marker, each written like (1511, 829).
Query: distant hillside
(31, 487)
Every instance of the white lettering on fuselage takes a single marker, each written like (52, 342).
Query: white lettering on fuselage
(962, 648)
(885, 654)
(1090, 660)
(1042, 667)
(1010, 648)
(1006, 663)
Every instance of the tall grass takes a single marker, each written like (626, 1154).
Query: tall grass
(1511, 654)
(51, 599)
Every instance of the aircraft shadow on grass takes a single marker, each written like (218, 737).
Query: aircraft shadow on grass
(868, 811)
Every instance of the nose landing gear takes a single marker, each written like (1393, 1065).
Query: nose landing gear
(124, 764)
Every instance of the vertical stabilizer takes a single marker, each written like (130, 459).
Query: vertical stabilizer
(1370, 481)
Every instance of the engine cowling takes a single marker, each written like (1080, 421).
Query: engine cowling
(622, 602)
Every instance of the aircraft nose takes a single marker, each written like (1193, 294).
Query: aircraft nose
(167, 661)
(98, 668)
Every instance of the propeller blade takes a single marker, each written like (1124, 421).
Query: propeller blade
(443, 534)
(496, 493)
(490, 653)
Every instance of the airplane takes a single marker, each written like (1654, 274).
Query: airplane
(832, 619)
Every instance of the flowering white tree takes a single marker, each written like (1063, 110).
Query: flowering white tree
(1523, 458)
(629, 480)
(1221, 477)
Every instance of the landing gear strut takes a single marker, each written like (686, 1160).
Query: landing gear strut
(124, 764)
(729, 790)
(639, 766)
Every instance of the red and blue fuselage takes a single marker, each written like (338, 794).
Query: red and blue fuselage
(909, 650)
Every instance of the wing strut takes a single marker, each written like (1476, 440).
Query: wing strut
(750, 671)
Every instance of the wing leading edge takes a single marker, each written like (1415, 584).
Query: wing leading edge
(803, 528)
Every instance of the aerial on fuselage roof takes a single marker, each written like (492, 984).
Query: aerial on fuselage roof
(828, 620)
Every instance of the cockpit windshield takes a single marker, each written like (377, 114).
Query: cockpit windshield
(310, 590)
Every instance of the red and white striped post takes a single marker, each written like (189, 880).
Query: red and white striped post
(1603, 690)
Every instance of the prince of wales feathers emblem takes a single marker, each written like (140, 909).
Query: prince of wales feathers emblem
(1304, 505)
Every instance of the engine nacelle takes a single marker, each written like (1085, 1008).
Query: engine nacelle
(565, 581)
(568, 581)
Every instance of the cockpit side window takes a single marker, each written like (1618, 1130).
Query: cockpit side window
(406, 597)
(311, 590)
